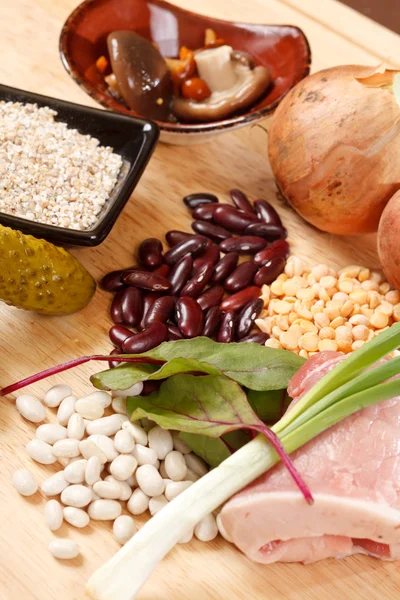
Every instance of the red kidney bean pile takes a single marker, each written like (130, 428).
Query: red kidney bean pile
(197, 286)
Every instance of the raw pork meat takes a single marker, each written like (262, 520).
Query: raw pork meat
(353, 471)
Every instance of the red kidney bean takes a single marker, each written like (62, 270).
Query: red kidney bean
(113, 363)
(150, 253)
(112, 282)
(198, 282)
(238, 300)
(116, 310)
(193, 200)
(241, 201)
(256, 338)
(278, 248)
(194, 245)
(241, 277)
(160, 310)
(210, 254)
(132, 306)
(149, 387)
(212, 321)
(174, 237)
(205, 212)
(148, 302)
(247, 316)
(244, 244)
(215, 232)
(224, 267)
(180, 273)
(233, 219)
(211, 297)
(189, 317)
(266, 213)
(147, 281)
(269, 232)
(163, 270)
(152, 336)
(174, 333)
(270, 271)
(118, 335)
(226, 331)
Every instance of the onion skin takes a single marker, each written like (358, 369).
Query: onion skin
(334, 149)
(389, 241)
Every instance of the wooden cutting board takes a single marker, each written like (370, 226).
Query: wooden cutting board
(29, 59)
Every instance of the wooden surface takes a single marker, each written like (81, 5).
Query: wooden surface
(29, 59)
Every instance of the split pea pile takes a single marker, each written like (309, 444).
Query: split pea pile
(108, 465)
(49, 172)
(308, 310)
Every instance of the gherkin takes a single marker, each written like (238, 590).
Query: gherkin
(37, 276)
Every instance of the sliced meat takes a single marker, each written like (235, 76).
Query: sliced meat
(353, 471)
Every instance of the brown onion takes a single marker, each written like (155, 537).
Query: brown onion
(334, 147)
(389, 241)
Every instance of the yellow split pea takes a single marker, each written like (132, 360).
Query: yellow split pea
(309, 310)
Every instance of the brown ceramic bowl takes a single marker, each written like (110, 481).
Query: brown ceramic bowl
(283, 49)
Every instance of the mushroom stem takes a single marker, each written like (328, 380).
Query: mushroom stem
(215, 68)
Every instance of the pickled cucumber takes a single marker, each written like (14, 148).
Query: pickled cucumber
(37, 276)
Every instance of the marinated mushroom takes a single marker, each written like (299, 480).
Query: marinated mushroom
(142, 76)
(233, 81)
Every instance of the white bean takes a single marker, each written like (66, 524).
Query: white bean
(124, 441)
(51, 433)
(64, 462)
(123, 419)
(68, 448)
(76, 427)
(110, 490)
(41, 452)
(138, 503)
(126, 490)
(93, 470)
(54, 485)
(89, 408)
(157, 503)
(75, 472)
(144, 455)
(173, 489)
(31, 409)
(179, 444)
(76, 517)
(134, 390)
(24, 482)
(138, 433)
(89, 449)
(206, 530)
(106, 425)
(76, 495)
(63, 548)
(175, 466)
(54, 515)
(56, 394)
(119, 405)
(132, 481)
(186, 538)
(196, 464)
(162, 470)
(161, 441)
(66, 410)
(221, 529)
(124, 528)
(150, 480)
(106, 444)
(104, 510)
(191, 476)
(123, 466)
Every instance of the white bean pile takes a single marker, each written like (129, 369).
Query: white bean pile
(106, 461)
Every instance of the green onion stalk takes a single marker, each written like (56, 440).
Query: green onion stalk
(349, 387)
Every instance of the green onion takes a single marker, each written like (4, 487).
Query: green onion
(340, 393)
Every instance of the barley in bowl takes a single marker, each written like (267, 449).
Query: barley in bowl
(311, 309)
(49, 172)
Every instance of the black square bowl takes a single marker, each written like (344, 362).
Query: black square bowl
(134, 139)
